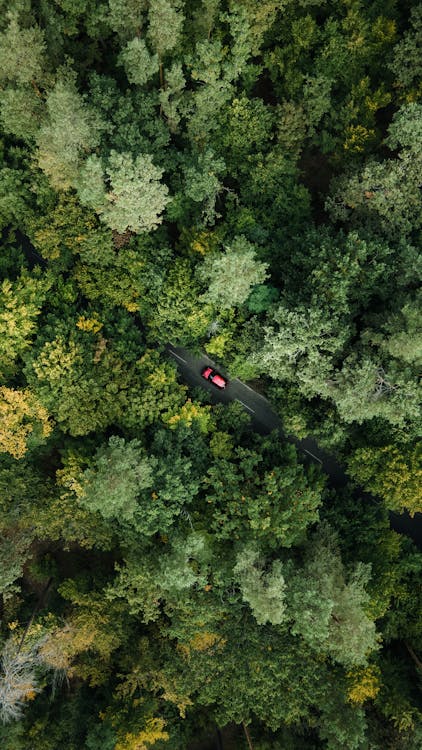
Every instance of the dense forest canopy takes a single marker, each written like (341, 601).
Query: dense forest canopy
(244, 179)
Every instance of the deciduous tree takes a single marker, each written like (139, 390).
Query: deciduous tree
(127, 194)
(232, 274)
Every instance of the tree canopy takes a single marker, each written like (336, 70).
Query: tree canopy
(242, 179)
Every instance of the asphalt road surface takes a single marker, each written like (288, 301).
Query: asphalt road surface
(265, 420)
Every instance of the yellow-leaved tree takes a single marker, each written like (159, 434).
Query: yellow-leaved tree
(153, 732)
(23, 420)
(393, 473)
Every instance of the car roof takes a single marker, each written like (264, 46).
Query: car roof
(219, 380)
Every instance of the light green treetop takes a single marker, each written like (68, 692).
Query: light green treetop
(127, 193)
(328, 606)
(72, 128)
(264, 591)
(112, 485)
(165, 25)
(138, 63)
(21, 52)
(232, 275)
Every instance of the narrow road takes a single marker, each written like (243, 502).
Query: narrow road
(265, 420)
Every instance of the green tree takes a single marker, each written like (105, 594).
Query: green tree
(392, 472)
(212, 93)
(72, 128)
(404, 334)
(119, 473)
(165, 25)
(261, 495)
(300, 346)
(363, 389)
(203, 183)
(177, 315)
(385, 195)
(138, 63)
(21, 111)
(22, 52)
(126, 17)
(406, 63)
(172, 99)
(232, 275)
(328, 608)
(66, 229)
(15, 196)
(127, 194)
(263, 591)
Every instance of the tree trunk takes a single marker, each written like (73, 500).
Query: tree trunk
(415, 658)
(247, 735)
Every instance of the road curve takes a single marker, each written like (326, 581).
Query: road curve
(265, 420)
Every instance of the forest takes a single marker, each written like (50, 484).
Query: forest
(243, 179)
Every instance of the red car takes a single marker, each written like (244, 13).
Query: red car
(214, 377)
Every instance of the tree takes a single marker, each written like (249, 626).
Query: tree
(165, 25)
(231, 276)
(22, 52)
(262, 495)
(153, 732)
(406, 63)
(341, 273)
(15, 196)
(362, 389)
(80, 379)
(138, 63)
(329, 611)
(300, 346)
(172, 99)
(392, 472)
(72, 128)
(213, 93)
(94, 625)
(69, 228)
(184, 565)
(385, 195)
(177, 315)
(21, 302)
(246, 129)
(14, 554)
(119, 473)
(126, 17)
(203, 183)
(21, 111)
(24, 421)
(18, 679)
(128, 194)
(264, 591)
(403, 339)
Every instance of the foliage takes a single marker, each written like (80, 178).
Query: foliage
(120, 473)
(23, 421)
(136, 197)
(20, 304)
(241, 179)
(71, 129)
(393, 474)
(264, 592)
(232, 275)
(21, 52)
